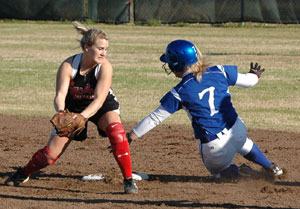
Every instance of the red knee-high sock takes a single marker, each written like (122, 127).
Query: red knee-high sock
(38, 161)
(120, 147)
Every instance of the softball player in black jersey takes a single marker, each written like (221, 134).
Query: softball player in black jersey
(83, 85)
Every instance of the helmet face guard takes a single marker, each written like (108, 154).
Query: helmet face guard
(179, 55)
(171, 68)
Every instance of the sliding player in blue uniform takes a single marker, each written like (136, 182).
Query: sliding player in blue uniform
(203, 92)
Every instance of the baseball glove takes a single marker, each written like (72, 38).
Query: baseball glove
(68, 123)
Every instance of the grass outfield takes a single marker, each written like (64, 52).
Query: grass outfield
(30, 53)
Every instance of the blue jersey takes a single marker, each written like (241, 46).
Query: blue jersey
(208, 102)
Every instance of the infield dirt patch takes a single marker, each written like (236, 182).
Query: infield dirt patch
(168, 154)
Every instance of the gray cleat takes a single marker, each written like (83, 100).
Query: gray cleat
(130, 186)
(275, 169)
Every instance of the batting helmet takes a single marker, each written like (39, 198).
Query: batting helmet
(180, 54)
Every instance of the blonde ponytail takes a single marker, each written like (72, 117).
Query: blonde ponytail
(200, 66)
(88, 35)
(82, 29)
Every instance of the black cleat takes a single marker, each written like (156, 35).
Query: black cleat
(17, 178)
(130, 186)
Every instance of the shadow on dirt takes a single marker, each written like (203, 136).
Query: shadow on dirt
(161, 178)
(39, 174)
(287, 183)
(177, 203)
(209, 179)
(180, 178)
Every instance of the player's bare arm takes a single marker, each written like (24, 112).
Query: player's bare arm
(101, 91)
(63, 78)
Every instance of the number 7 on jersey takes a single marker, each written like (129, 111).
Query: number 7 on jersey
(211, 99)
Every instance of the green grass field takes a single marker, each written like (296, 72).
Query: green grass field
(30, 53)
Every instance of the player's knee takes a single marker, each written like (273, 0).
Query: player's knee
(116, 133)
(247, 147)
(49, 157)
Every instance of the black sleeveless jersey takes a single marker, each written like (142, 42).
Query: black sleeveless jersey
(81, 90)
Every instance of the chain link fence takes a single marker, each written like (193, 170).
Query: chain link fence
(41, 9)
(165, 11)
(107, 11)
(217, 11)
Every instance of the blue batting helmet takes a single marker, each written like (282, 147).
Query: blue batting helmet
(180, 54)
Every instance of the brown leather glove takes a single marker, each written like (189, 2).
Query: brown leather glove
(68, 123)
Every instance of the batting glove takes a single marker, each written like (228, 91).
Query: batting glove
(255, 69)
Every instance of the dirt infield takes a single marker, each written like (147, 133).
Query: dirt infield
(168, 154)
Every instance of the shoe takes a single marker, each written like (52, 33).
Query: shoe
(17, 178)
(245, 171)
(130, 186)
(230, 173)
(216, 176)
(275, 169)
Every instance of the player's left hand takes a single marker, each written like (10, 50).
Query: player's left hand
(255, 69)
(129, 139)
(68, 123)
